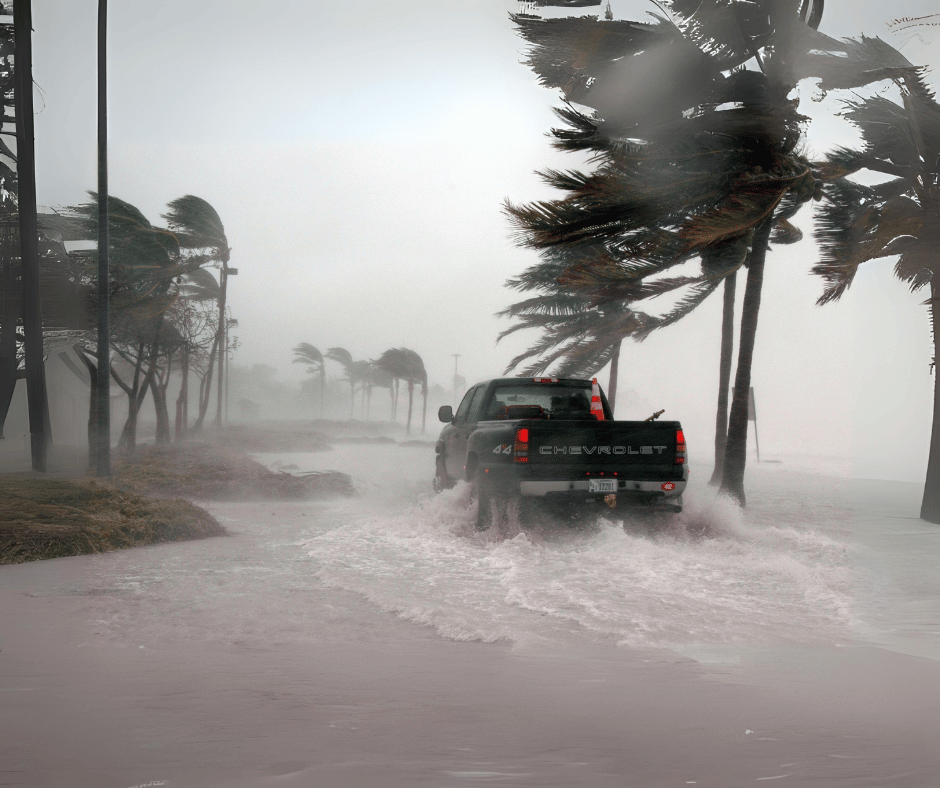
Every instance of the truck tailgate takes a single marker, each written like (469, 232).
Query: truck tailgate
(641, 449)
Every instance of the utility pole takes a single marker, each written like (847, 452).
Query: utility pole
(103, 427)
(456, 356)
(36, 394)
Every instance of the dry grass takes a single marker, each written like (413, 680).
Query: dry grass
(216, 473)
(51, 518)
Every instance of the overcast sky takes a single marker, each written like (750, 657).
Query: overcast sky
(358, 154)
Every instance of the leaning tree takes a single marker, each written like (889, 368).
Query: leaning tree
(896, 212)
(696, 150)
(313, 360)
(201, 235)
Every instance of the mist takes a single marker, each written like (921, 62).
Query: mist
(360, 157)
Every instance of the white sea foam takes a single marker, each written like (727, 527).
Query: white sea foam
(709, 576)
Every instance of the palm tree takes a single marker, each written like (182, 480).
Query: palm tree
(577, 335)
(394, 363)
(200, 286)
(708, 169)
(380, 378)
(199, 229)
(344, 358)
(144, 262)
(416, 373)
(404, 364)
(898, 216)
(307, 354)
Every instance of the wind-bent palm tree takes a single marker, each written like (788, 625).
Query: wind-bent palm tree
(416, 374)
(707, 169)
(199, 286)
(394, 363)
(308, 355)
(344, 358)
(404, 364)
(199, 229)
(579, 337)
(144, 262)
(899, 216)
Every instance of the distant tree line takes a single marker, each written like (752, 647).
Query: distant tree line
(168, 311)
(396, 366)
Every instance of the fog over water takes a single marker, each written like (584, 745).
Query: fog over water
(359, 156)
(382, 640)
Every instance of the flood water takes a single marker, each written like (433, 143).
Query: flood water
(382, 640)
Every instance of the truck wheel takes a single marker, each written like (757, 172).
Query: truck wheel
(441, 480)
(484, 503)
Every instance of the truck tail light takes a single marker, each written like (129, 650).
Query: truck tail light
(597, 409)
(680, 448)
(521, 446)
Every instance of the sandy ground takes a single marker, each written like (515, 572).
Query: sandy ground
(232, 662)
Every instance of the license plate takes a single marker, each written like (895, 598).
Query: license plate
(603, 485)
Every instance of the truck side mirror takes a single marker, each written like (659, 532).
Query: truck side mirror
(445, 413)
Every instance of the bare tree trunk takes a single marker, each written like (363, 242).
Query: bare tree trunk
(205, 387)
(36, 394)
(92, 409)
(8, 364)
(158, 389)
(724, 378)
(135, 399)
(732, 483)
(614, 371)
(424, 408)
(222, 341)
(322, 388)
(411, 395)
(163, 416)
(930, 505)
(183, 398)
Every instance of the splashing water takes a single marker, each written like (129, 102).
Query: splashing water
(710, 576)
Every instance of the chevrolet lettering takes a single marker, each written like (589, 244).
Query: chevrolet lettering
(552, 444)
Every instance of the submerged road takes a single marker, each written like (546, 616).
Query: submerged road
(380, 641)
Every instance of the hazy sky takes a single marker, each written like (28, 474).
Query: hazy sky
(358, 154)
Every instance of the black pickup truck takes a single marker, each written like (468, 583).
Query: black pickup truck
(554, 441)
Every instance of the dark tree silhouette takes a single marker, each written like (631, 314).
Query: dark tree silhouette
(695, 153)
(898, 216)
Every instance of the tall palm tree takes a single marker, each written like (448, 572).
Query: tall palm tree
(394, 363)
(308, 355)
(415, 374)
(144, 262)
(200, 286)
(344, 358)
(199, 229)
(707, 169)
(898, 216)
(578, 337)
(379, 377)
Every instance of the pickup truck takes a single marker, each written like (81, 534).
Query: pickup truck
(553, 442)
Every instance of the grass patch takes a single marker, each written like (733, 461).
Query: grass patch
(51, 518)
(211, 472)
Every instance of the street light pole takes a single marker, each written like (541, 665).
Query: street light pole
(456, 356)
(36, 394)
(103, 427)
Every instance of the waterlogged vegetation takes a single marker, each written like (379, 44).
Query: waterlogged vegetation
(53, 518)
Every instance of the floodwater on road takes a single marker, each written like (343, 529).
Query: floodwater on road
(381, 640)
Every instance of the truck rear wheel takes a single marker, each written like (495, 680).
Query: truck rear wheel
(441, 480)
(484, 501)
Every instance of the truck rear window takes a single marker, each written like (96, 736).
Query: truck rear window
(557, 401)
